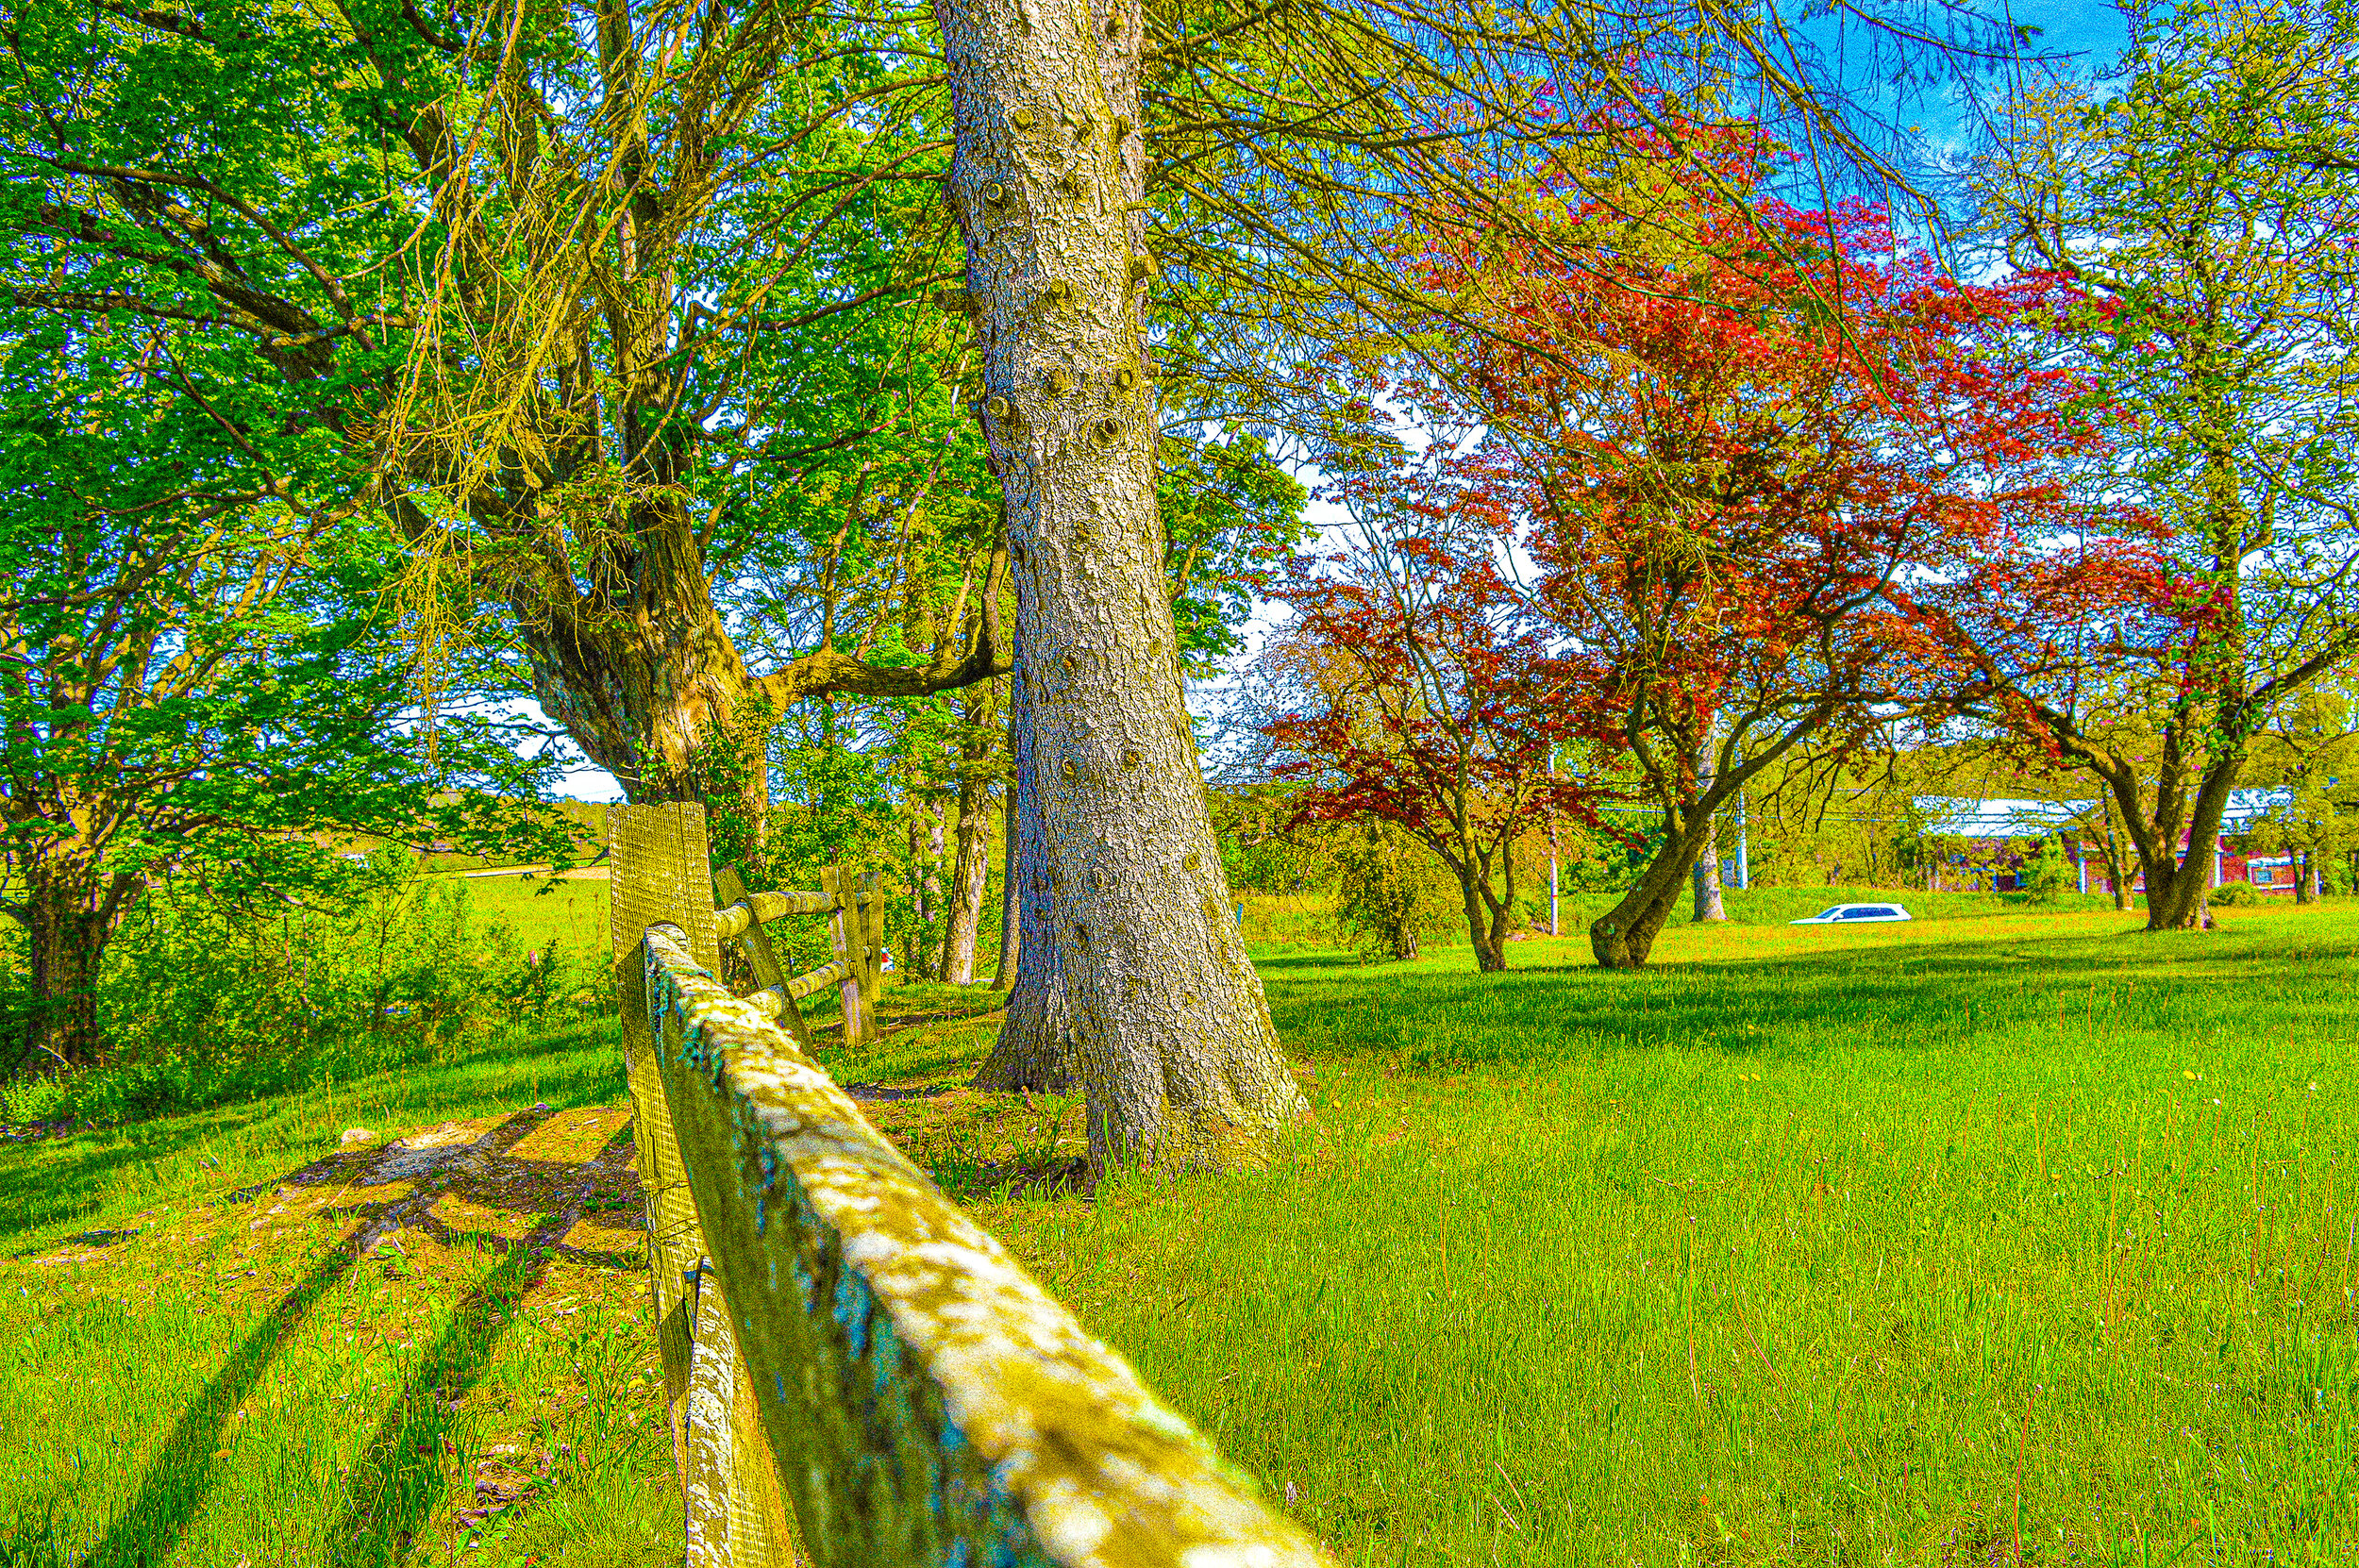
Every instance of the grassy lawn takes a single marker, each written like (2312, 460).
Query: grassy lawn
(1992, 1237)
(571, 911)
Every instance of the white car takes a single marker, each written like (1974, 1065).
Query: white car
(1846, 913)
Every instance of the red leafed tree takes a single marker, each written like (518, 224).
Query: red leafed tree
(1724, 429)
(1412, 688)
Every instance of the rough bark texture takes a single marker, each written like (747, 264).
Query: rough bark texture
(967, 878)
(1036, 1049)
(1707, 875)
(1176, 1050)
(71, 908)
(1011, 904)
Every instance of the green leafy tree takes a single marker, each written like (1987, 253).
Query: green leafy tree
(2044, 873)
(187, 661)
(1385, 887)
(2309, 760)
(2205, 203)
(623, 321)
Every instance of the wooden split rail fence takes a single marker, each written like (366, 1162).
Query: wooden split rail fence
(857, 1373)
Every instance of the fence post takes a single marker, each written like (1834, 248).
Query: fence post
(728, 889)
(847, 932)
(661, 872)
(872, 953)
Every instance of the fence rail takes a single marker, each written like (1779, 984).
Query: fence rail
(853, 1364)
(855, 930)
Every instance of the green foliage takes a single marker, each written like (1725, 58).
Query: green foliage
(1259, 849)
(220, 987)
(2044, 873)
(1387, 887)
(1231, 517)
(2232, 894)
(2200, 200)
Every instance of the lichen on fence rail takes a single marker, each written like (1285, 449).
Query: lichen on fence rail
(759, 909)
(926, 1401)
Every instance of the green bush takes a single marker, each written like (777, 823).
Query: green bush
(2234, 893)
(2047, 876)
(1386, 887)
(212, 991)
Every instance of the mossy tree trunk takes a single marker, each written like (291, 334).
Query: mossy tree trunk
(71, 907)
(1171, 1034)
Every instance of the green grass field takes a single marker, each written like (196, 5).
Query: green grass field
(1990, 1239)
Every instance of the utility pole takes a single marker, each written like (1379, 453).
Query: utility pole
(1553, 929)
(1744, 846)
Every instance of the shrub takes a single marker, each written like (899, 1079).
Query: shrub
(2234, 893)
(213, 992)
(1384, 889)
(2046, 875)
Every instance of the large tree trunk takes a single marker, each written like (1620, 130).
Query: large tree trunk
(967, 877)
(1178, 1056)
(1707, 875)
(1485, 929)
(1036, 1049)
(2178, 884)
(643, 674)
(646, 681)
(71, 908)
(2306, 878)
(1624, 936)
(2116, 860)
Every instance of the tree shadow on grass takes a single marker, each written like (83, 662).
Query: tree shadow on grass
(54, 1182)
(398, 1478)
(398, 1481)
(181, 1474)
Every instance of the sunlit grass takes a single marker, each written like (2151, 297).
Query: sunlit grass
(2018, 1238)
(200, 1362)
(1943, 1243)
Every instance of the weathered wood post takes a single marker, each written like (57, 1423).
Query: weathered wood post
(728, 890)
(735, 1518)
(872, 952)
(848, 934)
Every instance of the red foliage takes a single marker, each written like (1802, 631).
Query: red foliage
(1738, 442)
(1420, 694)
(1730, 461)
